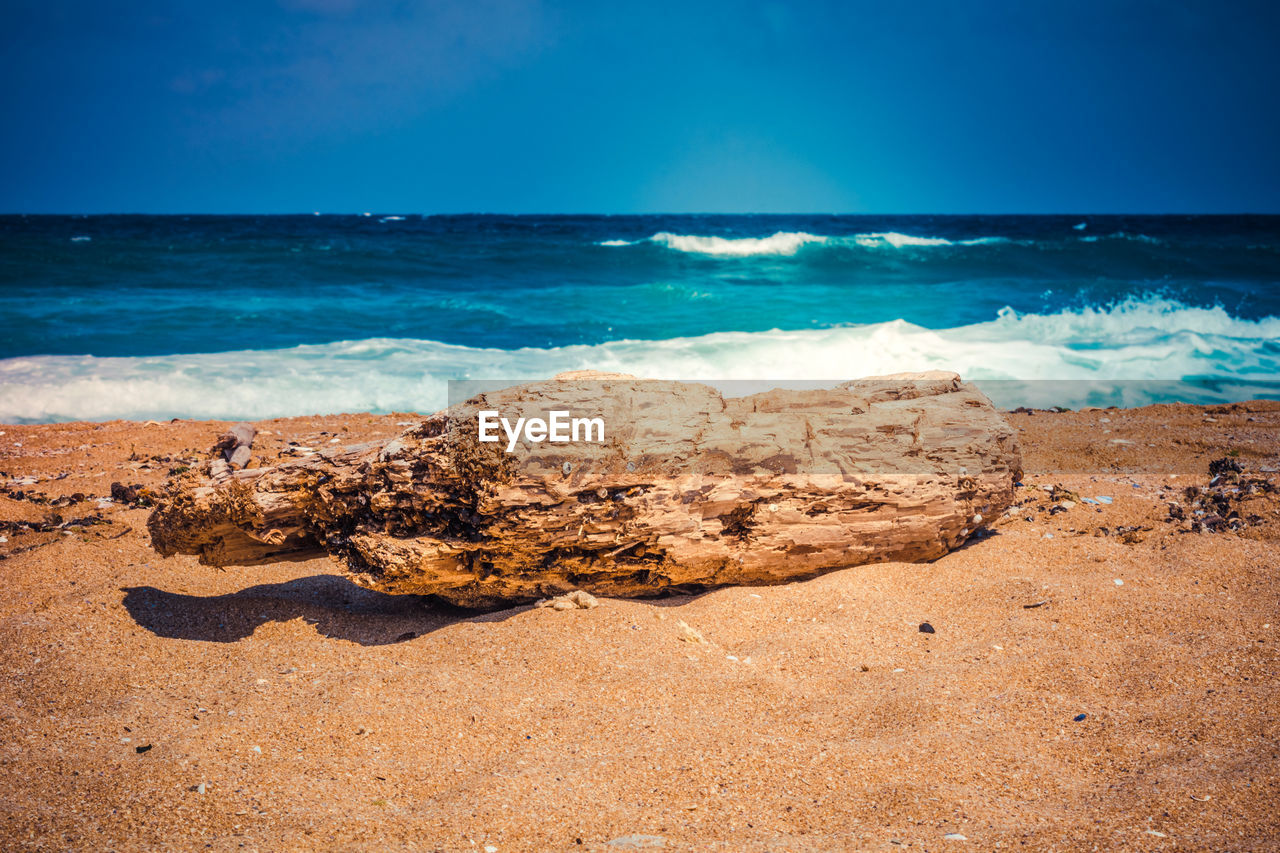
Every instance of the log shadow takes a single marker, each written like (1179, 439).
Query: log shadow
(338, 608)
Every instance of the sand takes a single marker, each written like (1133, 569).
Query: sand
(153, 703)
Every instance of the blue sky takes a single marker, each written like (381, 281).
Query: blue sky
(616, 107)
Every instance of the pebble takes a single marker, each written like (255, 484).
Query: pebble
(489, 848)
(1104, 499)
(954, 836)
(1119, 582)
(638, 842)
(200, 789)
(1156, 834)
(576, 600)
(926, 628)
(1079, 718)
(689, 634)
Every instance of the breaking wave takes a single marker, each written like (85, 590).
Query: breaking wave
(785, 243)
(1138, 339)
(781, 243)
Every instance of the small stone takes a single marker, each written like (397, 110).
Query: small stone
(954, 836)
(1119, 582)
(1104, 499)
(489, 848)
(146, 747)
(1079, 718)
(200, 789)
(576, 600)
(689, 634)
(1156, 833)
(638, 842)
(977, 518)
(926, 628)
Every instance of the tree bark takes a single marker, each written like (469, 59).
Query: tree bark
(690, 490)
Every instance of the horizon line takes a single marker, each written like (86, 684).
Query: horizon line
(372, 214)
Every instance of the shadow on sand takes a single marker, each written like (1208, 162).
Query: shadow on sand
(334, 605)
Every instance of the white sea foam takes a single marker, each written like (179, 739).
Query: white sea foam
(785, 243)
(781, 243)
(897, 241)
(1137, 339)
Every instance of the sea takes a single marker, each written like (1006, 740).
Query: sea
(250, 317)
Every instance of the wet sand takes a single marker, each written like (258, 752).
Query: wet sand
(149, 702)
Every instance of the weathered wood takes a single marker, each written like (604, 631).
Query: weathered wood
(235, 445)
(690, 490)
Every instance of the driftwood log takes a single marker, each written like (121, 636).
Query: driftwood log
(689, 490)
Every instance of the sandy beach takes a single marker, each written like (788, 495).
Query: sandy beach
(1101, 674)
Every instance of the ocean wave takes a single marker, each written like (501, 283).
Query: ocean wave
(897, 241)
(781, 243)
(786, 243)
(1151, 339)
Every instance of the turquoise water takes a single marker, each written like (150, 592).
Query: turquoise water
(162, 316)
